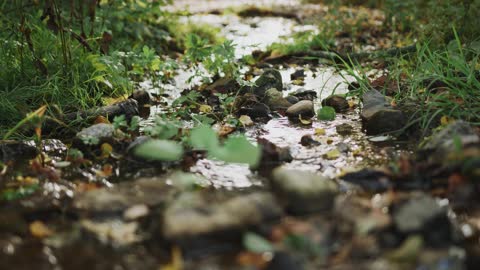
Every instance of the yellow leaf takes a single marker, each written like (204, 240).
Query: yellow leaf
(205, 108)
(333, 154)
(39, 229)
(445, 120)
(245, 120)
(320, 131)
(177, 260)
(107, 150)
(304, 121)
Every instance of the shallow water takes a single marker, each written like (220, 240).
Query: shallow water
(257, 33)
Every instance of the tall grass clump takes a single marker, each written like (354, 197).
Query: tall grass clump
(69, 55)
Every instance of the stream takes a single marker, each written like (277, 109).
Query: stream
(125, 213)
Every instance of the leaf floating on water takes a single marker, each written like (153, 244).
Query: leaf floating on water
(326, 113)
(333, 154)
(161, 150)
(320, 131)
(305, 122)
(257, 244)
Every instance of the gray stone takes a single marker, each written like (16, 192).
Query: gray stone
(444, 139)
(292, 99)
(422, 214)
(304, 94)
(271, 78)
(339, 103)
(275, 100)
(303, 191)
(304, 108)
(192, 214)
(147, 191)
(379, 116)
(17, 150)
(95, 134)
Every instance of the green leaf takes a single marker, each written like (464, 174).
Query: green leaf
(326, 113)
(161, 150)
(204, 138)
(14, 194)
(257, 244)
(237, 149)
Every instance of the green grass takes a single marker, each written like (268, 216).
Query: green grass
(433, 83)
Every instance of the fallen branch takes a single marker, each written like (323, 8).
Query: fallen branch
(347, 57)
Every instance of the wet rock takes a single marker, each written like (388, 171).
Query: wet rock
(358, 216)
(271, 78)
(255, 111)
(224, 85)
(54, 147)
(248, 104)
(378, 115)
(302, 191)
(339, 103)
(344, 129)
(308, 141)
(298, 74)
(113, 232)
(150, 192)
(95, 134)
(303, 108)
(142, 97)
(275, 100)
(422, 214)
(304, 94)
(343, 147)
(17, 150)
(284, 261)
(446, 141)
(292, 99)
(272, 156)
(369, 179)
(213, 215)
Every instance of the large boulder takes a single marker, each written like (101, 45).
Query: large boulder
(302, 191)
(379, 116)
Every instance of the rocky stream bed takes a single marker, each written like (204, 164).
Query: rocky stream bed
(327, 194)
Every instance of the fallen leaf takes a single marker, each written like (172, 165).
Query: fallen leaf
(320, 131)
(245, 120)
(205, 108)
(332, 154)
(177, 261)
(106, 149)
(39, 229)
